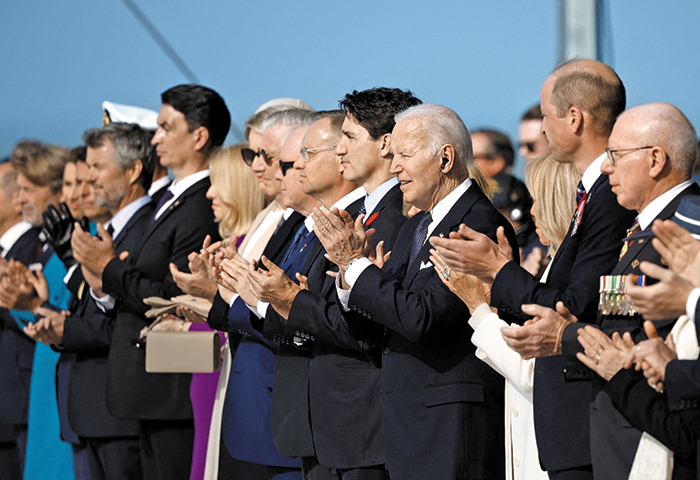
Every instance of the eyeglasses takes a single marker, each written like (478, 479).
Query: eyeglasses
(304, 151)
(284, 166)
(611, 153)
(248, 155)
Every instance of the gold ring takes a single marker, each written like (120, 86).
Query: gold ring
(596, 359)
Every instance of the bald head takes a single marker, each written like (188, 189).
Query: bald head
(591, 86)
(663, 125)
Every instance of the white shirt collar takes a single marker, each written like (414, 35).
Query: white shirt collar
(372, 199)
(10, 237)
(440, 211)
(158, 184)
(341, 204)
(651, 211)
(178, 187)
(590, 176)
(122, 217)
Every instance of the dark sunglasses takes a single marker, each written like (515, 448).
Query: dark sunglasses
(250, 154)
(284, 166)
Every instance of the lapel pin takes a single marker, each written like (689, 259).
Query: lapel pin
(635, 263)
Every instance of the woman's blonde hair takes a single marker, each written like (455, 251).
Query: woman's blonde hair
(552, 186)
(237, 187)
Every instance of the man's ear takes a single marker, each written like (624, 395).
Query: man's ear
(134, 171)
(447, 158)
(575, 119)
(385, 149)
(201, 137)
(659, 159)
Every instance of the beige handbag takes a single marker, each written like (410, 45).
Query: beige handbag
(181, 352)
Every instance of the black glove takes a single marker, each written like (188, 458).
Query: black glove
(57, 230)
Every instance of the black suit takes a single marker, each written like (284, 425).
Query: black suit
(16, 358)
(344, 384)
(561, 408)
(442, 407)
(291, 426)
(160, 401)
(87, 334)
(613, 440)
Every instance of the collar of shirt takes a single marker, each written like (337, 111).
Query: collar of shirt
(443, 207)
(287, 213)
(179, 187)
(10, 237)
(158, 184)
(122, 217)
(341, 204)
(592, 172)
(373, 198)
(652, 210)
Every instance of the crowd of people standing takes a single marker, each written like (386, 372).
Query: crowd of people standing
(390, 300)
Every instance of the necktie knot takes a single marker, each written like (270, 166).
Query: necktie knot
(580, 192)
(168, 195)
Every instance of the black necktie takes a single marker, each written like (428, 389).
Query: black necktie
(362, 210)
(294, 246)
(419, 237)
(110, 230)
(163, 200)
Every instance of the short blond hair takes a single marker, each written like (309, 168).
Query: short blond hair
(552, 186)
(237, 187)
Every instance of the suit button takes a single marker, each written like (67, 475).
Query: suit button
(515, 411)
(386, 351)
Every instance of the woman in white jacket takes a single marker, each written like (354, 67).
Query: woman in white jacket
(553, 189)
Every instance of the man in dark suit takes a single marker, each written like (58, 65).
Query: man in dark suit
(246, 425)
(441, 407)
(192, 122)
(344, 400)
(120, 159)
(649, 164)
(318, 169)
(580, 101)
(18, 241)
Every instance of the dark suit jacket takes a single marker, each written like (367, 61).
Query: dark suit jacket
(246, 426)
(291, 426)
(344, 384)
(87, 333)
(651, 412)
(16, 349)
(562, 409)
(442, 406)
(613, 440)
(131, 392)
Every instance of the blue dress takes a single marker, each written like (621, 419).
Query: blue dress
(47, 455)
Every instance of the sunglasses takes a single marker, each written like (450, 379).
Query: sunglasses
(284, 166)
(249, 155)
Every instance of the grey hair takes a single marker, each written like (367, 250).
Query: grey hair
(130, 142)
(444, 126)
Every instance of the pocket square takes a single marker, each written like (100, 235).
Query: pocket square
(425, 265)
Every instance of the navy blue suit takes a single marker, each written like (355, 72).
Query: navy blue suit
(442, 406)
(246, 423)
(562, 408)
(16, 358)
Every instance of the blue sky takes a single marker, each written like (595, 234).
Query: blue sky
(486, 60)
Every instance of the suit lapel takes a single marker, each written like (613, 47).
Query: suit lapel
(451, 222)
(133, 221)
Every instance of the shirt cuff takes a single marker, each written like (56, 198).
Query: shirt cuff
(260, 310)
(105, 303)
(343, 295)
(692, 303)
(235, 297)
(356, 269)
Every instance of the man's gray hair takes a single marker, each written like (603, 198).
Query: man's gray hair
(444, 126)
(130, 142)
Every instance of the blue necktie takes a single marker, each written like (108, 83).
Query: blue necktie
(580, 192)
(302, 232)
(419, 237)
(362, 210)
